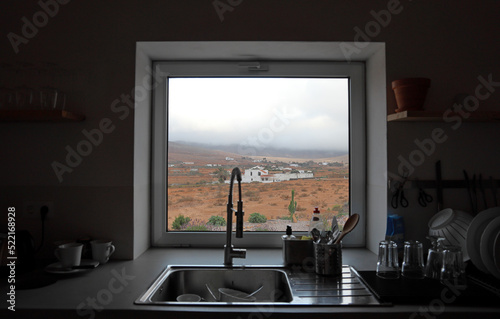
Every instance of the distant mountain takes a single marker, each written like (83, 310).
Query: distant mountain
(181, 152)
(236, 150)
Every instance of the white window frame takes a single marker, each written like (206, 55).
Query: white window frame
(355, 71)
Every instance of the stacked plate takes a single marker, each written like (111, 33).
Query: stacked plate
(483, 241)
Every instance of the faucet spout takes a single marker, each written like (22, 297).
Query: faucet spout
(229, 251)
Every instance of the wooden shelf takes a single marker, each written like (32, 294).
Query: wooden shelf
(425, 116)
(40, 116)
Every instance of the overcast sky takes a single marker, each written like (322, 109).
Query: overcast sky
(273, 112)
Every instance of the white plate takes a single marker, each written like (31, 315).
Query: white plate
(474, 234)
(487, 246)
(57, 268)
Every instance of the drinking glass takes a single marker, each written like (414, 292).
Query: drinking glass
(453, 270)
(413, 260)
(388, 264)
(48, 98)
(7, 98)
(24, 97)
(434, 258)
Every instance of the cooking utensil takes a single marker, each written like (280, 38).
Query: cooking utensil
(335, 229)
(328, 238)
(439, 186)
(316, 235)
(350, 224)
(472, 199)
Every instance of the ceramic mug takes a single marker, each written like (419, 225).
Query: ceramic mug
(101, 250)
(69, 255)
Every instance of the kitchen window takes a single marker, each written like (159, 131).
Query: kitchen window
(289, 126)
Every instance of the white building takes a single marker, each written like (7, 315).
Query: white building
(258, 174)
(292, 176)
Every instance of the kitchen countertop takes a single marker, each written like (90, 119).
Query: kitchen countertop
(109, 291)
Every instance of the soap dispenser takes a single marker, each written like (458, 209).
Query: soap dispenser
(288, 235)
(288, 246)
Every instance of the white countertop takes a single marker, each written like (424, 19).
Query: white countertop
(111, 289)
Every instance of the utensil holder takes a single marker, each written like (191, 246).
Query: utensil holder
(328, 259)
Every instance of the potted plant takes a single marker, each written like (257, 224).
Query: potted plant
(410, 93)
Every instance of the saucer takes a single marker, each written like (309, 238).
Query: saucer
(57, 268)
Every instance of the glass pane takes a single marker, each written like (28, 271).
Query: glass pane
(288, 136)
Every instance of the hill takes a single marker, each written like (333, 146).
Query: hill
(179, 152)
(209, 154)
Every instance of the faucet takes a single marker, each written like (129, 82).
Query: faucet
(229, 251)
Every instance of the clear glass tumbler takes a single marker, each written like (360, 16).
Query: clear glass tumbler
(434, 258)
(453, 270)
(388, 264)
(413, 260)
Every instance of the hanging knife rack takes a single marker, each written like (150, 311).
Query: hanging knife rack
(426, 184)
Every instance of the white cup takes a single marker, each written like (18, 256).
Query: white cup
(69, 255)
(101, 250)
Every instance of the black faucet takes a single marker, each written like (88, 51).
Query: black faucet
(229, 251)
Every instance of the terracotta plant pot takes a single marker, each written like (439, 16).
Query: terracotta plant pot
(410, 93)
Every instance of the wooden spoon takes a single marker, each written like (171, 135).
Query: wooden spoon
(350, 224)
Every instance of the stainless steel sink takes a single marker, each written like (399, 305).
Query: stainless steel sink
(178, 280)
(282, 286)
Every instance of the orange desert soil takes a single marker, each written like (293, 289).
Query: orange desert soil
(269, 199)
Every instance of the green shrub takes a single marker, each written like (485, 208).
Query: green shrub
(196, 228)
(257, 218)
(216, 221)
(195, 225)
(180, 221)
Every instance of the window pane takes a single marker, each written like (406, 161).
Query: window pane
(288, 136)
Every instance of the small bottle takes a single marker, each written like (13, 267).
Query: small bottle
(287, 248)
(316, 221)
(288, 235)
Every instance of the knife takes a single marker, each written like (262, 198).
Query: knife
(483, 192)
(335, 228)
(439, 186)
(469, 190)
